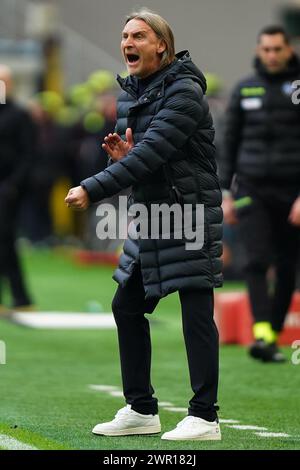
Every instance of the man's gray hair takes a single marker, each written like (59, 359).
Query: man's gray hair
(161, 29)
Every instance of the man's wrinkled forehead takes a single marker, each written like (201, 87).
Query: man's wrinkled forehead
(139, 27)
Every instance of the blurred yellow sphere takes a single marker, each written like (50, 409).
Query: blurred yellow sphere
(214, 84)
(101, 80)
(81, 95)
(93, 121)
(67, 116)
(50, 101)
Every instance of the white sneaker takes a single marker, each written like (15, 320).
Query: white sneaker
(192, 428)
(128, 421)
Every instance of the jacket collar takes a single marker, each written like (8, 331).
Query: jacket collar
(130, 83)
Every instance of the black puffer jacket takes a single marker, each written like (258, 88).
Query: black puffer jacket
(262, 130)
(173, 137)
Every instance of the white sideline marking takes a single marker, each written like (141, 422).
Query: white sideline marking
(228, 421)
(116, 393)
(165, 403)
(103, 388)
(246, 427)
(64, 320)
(272, 434)
(175, 409)
(9, 443)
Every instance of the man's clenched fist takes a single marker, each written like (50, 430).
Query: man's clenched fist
(77, 198)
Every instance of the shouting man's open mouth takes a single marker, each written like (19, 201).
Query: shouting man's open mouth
(132, 59)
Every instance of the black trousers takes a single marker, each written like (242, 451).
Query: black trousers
(10, 268)
(201, 341)
(269, 240)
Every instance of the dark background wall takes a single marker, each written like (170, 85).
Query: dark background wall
(220, 34)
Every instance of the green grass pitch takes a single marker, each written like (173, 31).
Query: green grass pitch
(46, 401)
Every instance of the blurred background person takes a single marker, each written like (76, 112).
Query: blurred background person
(37, 223)
(261, 147)
(17, 148)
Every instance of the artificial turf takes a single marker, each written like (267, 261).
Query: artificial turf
(46, 401)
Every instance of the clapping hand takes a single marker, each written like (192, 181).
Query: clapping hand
(117, 148)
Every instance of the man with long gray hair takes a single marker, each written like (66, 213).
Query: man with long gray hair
(163, 148)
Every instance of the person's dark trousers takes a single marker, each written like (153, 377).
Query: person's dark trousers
(201, 340)
(10, 268)
(269, 240)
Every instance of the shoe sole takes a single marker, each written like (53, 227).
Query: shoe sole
(130, 432)
(209, 437)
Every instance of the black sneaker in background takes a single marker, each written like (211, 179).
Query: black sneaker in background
(266, 352)
(256, 349)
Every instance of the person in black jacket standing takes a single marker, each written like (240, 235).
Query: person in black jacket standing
(163, 148)
(17, 137)
(262, 149)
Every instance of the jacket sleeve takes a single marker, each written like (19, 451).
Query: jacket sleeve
(169, 131)
(231, 139)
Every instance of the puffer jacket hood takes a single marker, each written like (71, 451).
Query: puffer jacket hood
(181, 67)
